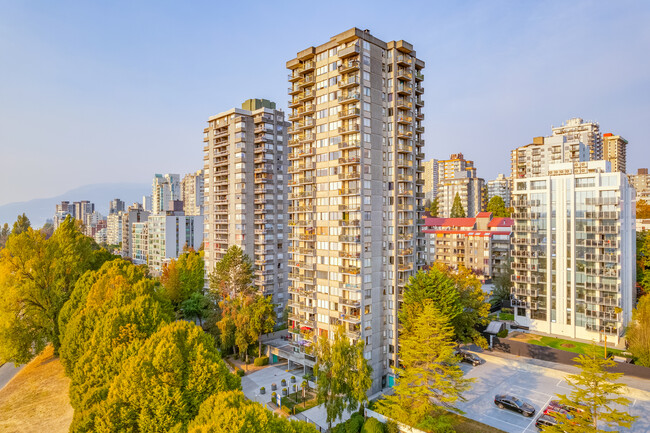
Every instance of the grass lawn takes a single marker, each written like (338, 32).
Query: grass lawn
(502, 316)
(290, 403)
(467, 425)
(36, 399)
(567, 345)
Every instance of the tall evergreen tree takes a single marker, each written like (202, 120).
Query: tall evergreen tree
(457, 210)
(4, 235)
(433, 207)
(429, 374)
(21, 225)
(594, 394)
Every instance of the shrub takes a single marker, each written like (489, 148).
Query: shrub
(372, 425)
(240, 372)
(283, 382)
(391, 426)
(354, 424)
(261, 361)
(286, 410)
(503, 333)
(507, 310)
(262, 390)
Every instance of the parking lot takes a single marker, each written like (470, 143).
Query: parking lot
(537, 385)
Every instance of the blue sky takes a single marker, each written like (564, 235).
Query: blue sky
(94, 92)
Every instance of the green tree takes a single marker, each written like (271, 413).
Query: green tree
(372, 425)
(4, 235)
(182, 278)
(433, 208)
(196, 307)
(643, 259)
(231, 411)
(343, 375)
(262, 319)
(594, 392)
(497, 206)
(458, 295)
(21, 225)
(47, 230)
(638, 332)
(503, 282)
(37, 276)
(232, 275)
(161, 388)
(457, 210)
(117, 335)
(429, 376)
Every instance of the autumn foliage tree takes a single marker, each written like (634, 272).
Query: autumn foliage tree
(638, 332)
(37, 276)
(182, 283)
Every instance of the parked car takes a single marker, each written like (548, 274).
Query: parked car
(545, 421)
(511, 402)
(468, 357)
(555, 406)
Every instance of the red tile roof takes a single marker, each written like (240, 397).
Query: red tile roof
(450, 222)
(484, 215)
(501, 222)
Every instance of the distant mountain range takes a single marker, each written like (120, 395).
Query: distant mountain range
(41, 209)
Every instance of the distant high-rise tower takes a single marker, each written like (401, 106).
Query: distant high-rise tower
(116, 205)
(457, 175)
(431, 179)
(165, 189)
(356, 192)
(192, 193)
(499, 187)
(577, 130)
(615, 151)
(246, 190)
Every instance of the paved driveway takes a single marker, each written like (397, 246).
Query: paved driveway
(7, 372)
(538, 385)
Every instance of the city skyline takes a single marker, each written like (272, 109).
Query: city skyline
(124, 85)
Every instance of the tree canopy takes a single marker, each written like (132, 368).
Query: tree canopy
(457, 294)
(21, 225)
(457, 210)
(497, 206)
(594, 392)
(429, 375)
(37, 276)
(343, 375)
(161, 388)
(231, 412)
(642, 209)
(638, 332)
(182, 280)
(433, 207)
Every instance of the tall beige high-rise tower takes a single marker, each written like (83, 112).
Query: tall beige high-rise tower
(355, 192)
(615, 151)
(577, 130)
(245, 178)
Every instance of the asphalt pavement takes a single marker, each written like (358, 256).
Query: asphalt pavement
(7, 372)
(537, 385)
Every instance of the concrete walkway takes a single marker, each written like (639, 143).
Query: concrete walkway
(7, 372)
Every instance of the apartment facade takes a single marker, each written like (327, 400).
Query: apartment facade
(447, 168)
(641, 183)
(165, 188)
(615, 151)
(192, 193)
(114, 228)
(574, 251)
(355, 193)
(245, 198)
(115, 205)
(499, 187)
(467, 186)
(140, 242)
(534, 159)
(481, 244)
(431, 180)
(134, 214)
(577, 130)
(168, 235)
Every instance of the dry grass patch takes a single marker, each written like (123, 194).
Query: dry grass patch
(36, 399)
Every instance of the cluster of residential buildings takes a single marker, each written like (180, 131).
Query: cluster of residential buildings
(328, 200)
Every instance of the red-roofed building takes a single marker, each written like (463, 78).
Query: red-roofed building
(481, 244)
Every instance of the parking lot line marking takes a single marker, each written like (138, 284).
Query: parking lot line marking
(500, 420)
(634, 402)
(541, 411)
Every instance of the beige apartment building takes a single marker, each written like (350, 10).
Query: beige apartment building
(534, 159)
(355, 192)
(457, 175)
(431, 179)
(615, 151)
(192, 193)
(641, 183)
(577, 130)
(481, 244)
(245, 178)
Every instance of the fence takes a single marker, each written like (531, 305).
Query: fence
(544, 353)
(274, 335)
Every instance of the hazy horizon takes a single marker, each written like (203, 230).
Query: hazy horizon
(115, 92)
